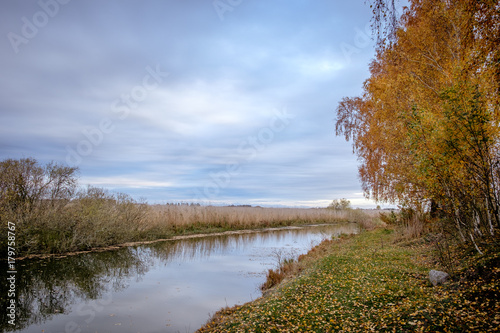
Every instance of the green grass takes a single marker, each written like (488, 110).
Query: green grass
(370, 283)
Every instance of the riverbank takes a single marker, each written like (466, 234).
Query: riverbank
(209, 232)
(375, 282)
(95, 225)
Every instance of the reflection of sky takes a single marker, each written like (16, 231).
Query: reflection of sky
(225, 81)
(182, 293)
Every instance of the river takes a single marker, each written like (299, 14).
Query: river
(169, 286)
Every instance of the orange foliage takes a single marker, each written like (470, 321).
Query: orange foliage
(427, 126)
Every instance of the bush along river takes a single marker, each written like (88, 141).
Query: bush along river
(168, 286)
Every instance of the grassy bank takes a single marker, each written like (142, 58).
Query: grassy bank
(375, 282)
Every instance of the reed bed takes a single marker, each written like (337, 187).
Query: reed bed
(96, 221)
(183, 216)
(184, 219)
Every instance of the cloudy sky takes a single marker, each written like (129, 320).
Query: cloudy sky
(223, 102)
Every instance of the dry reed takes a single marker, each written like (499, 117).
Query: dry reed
(238, 217)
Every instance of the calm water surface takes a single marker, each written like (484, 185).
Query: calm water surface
(171, 286)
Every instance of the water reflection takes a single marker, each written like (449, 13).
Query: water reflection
(48, 287)
(159, 285)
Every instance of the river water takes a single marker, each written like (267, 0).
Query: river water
(169, 286)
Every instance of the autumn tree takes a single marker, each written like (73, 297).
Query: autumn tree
(426, 128)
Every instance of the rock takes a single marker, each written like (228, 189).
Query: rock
(438, 277)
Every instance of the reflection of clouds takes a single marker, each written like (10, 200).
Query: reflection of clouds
(184, 276)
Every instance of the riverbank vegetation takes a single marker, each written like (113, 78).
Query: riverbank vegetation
(53, 214)
(375, 281)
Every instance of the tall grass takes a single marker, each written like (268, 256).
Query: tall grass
(189, 217)
(409, 224)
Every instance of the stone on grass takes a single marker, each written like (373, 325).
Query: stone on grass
(438, 277)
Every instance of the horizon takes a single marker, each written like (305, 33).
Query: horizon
(229, 102)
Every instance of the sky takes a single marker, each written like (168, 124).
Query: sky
(216, 102)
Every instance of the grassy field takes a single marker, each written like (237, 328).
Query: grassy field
(375, 282)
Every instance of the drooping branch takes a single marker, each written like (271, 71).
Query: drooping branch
(384, 21)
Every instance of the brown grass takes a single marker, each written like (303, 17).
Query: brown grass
(185, 216)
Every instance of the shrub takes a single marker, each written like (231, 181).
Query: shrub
(53, 216)
(340, 204)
